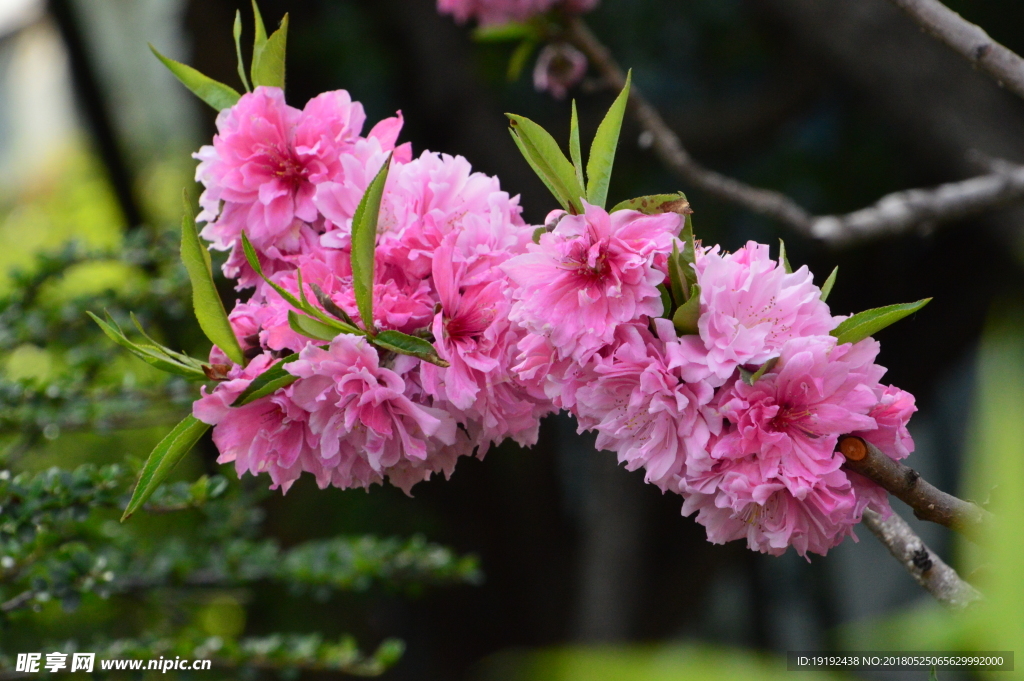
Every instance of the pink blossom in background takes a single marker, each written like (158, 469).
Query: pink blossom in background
(559, 67)
(490, 12)
(590, 274)
(750, 307)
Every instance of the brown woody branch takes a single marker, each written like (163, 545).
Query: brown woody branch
(893, 213)
(929, 502)
(939, 579)
(970, 40)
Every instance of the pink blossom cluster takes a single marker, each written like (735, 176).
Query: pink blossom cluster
(491, 12)
(291, 181)
(754, 460)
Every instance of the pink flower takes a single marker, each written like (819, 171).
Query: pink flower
(590, 274)
(792, 417)
(354, 404)
(773, 475)
(750, 307)
(269, 435)
(560, 66)
(489, 12)
(892, 413)
(473, 333)
(741, 503)
(643, 411)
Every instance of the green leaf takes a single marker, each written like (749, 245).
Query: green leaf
(676, 276)
(310, 328)
(270, 381)
(520, 56)
(826, 288)
(688, 257)
(869, 322)
(574, 146)
(218, 95)
(503, 33)
(547, 160)
(168, 452)
(364, 243)
(751, 377)
(260, 38)
(268, 62)
(686, 315)
(405, 344)
(602, 149)
(237, 32)
(254, 262)
(155, 355)
(184, 359)
(537, 233)
(210, 312)
(666, 301)
(783, 260)
(656, 204)
(333, 308)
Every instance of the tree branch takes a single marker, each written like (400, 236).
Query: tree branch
(938, 579)
(970, 40)
(929, 502)
(892, 214)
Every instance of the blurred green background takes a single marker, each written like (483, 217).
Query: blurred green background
(587, 572)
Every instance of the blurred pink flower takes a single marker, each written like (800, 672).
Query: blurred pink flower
(559, 67)
(489, 12)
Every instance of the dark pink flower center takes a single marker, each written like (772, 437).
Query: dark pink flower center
(791, 418)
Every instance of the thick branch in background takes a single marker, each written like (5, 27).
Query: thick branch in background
(937, 578)
(970, 40)
(892, 214)
(929, 502)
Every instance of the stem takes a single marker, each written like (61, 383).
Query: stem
(970, 40)
(670, 150)
(891, 214)
(929, 502)
(937, 578)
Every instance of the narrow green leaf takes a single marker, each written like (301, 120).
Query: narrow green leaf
(168, 452)
(310, 328)
(260, 38)
(869, 322)
(268, 63)
(333, 308)
(537, 233)
(270, 381)
(826, 288)
(686, 315)
(237, 32)
(520, 57)
(180, 357)
(751, 377)
(218, 95)
(503, 33)
(656, 204)
(303, 305)
(676, 276)
(666, 301)
(364, 243)
(209, 309)
(783, 260)
(602, 149)
(688, 257)
(574, 146)
(154, 355)
(405, 344)
(547, 160)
